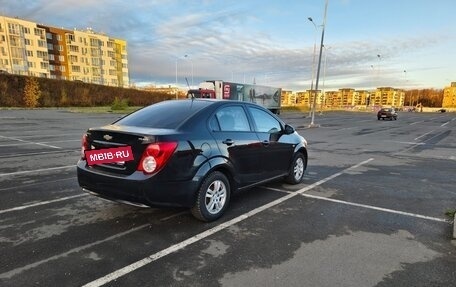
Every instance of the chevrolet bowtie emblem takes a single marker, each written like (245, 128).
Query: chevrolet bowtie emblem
(107, 137)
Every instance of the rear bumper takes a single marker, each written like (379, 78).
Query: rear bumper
(136, 189)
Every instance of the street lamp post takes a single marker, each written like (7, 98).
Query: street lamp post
(176, 80)
(313, 60)
(191, 61)
(324, 76)
(312, 123)
(378, 68)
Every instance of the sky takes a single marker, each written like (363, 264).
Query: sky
(367, 43)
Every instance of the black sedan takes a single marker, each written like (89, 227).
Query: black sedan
(190, 153)
(387, 113)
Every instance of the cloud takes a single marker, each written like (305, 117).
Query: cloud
(229, 40)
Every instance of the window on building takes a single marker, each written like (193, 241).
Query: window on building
(74, 48)
(70, 37)
(61, 58)
(41, 54)
(28, 42)
(60, 48)
(62, 68)
(76, 69)
(30, 53)
(49, 36)
(44, 65)
(59, 38)
(14, 29)
(38, 32)
(50, 46)
(42, 43)
(51, 57)
(51, 68)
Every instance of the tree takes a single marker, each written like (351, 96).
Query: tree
(31, 92)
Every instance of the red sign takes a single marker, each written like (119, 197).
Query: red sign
(118, 154)
(226, 91)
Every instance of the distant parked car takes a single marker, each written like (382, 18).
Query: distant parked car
(190, 153)
(387, 113)
(441, 111)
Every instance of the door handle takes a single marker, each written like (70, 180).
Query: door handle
(265, 142)
(228, 142)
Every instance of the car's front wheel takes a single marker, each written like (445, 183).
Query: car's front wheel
(298, 167)
(212, 198)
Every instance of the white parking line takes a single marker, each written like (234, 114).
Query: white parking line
(442, 125)
(176, 247)
(41, 203)
(37, 153)
(19, 270)
(417, 138)
(29, 142)
(48, 136)
(366, 206)
(36, 170)
(377, 208)
(39, 143)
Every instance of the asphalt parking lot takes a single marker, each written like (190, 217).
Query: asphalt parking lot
(370, 212)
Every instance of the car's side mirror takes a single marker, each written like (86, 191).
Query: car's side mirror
(289, 129)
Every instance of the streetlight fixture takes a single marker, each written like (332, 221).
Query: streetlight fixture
(312, 123)
(313, 60)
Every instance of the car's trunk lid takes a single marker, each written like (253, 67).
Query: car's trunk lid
(114, 136)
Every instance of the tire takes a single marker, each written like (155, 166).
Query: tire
(378, 118)
(212, 198)
(297, 169)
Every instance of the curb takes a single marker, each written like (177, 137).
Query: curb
(454, 227)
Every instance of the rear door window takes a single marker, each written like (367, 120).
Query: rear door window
(230, 119)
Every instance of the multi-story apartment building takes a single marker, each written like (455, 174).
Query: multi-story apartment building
(387, 96)
(23, 48)
(287, 98)
(30, 49)
(58, 54)
(449, 96)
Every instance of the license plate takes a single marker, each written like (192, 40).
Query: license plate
(109, 155)
(383, 116)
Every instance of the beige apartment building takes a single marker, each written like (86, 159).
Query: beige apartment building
(387, 96)
(287, 98)
(27, 48)
(449, 96)
(23, 48)
(347, 97)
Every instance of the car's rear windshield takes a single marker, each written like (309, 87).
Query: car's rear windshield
(163, 115)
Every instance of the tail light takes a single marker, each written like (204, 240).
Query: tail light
(155, 156)
(84, 145)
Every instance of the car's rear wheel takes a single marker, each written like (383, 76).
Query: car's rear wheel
(212, 198)
(298, 167)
